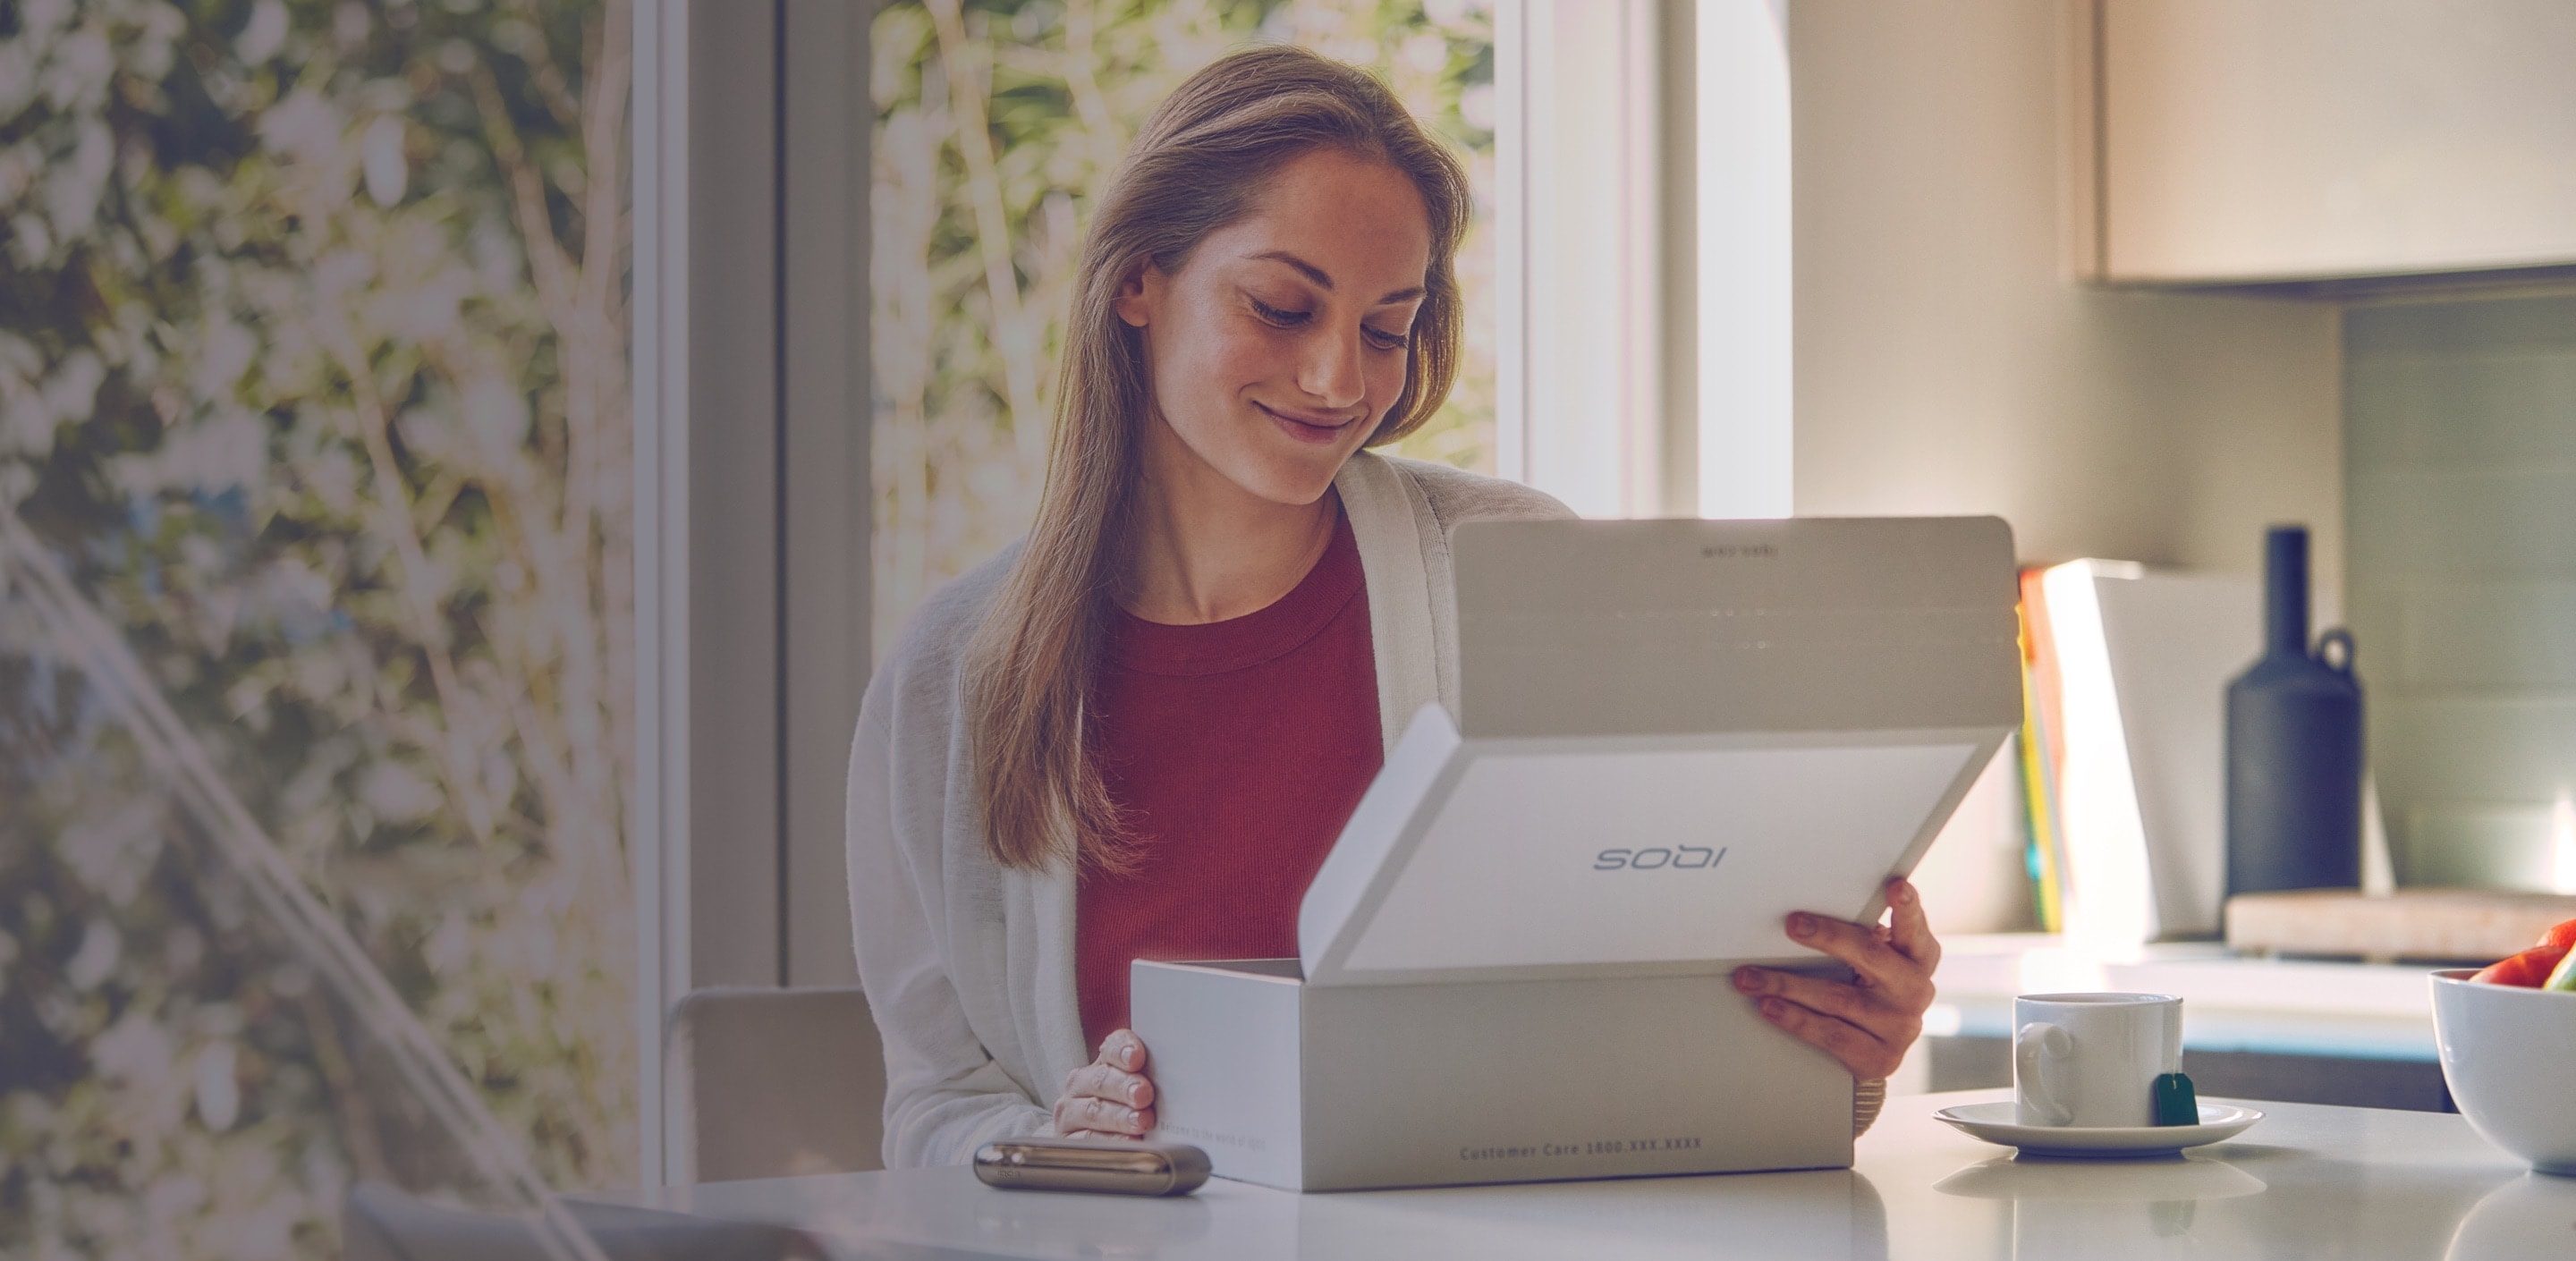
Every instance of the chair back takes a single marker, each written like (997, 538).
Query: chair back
(767, 1083)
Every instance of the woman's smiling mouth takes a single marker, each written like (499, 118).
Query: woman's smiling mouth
(1316, 430)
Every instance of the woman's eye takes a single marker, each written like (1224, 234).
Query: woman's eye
(1377, 337)
(1284, 319)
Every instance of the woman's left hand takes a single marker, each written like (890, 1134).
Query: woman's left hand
(1868, 1023)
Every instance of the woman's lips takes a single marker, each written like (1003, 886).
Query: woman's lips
(1315, 431)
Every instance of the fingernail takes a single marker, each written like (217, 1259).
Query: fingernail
(1772, 1007)
(1748, 980)
(1135, 1119)
(1900, 893)
(1136, 1093)
(1802, 925)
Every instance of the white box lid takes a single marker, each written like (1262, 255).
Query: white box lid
(1707, 750)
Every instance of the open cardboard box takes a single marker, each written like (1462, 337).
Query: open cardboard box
(1514, 966)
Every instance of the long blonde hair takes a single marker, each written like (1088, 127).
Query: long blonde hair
(1201, 163)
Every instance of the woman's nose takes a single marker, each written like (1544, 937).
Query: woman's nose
(1332, 370)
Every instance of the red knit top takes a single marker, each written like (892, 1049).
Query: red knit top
(1237, 750)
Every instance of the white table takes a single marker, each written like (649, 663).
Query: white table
(2308, 1181)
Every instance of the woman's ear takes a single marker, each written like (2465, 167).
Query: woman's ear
(1138, 294)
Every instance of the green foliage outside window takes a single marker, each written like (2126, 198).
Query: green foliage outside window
(313, 386)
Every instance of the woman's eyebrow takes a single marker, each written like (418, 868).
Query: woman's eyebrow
(1319, 276)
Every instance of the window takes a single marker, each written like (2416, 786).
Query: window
(858, 280)
(1645, 220)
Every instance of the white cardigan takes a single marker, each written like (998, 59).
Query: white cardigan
(968, 966)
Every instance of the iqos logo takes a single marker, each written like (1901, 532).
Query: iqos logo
(1683, 858)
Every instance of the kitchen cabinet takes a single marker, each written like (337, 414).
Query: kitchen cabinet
(2228, 141)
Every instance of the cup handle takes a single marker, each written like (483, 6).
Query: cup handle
(2037, 1048)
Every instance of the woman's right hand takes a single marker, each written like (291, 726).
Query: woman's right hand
(1111, 1097)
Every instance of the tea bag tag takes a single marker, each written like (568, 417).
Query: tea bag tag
(2176, 1103)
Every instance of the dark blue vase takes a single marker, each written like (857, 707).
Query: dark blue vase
(2294, 745)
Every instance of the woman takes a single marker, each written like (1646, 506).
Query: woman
(1136, 733)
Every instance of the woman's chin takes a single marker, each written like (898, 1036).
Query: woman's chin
(1292, 478)
(1297, 491)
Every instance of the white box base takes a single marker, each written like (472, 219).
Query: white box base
(1331, 1088)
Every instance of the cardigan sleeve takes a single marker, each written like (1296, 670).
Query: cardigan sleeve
(945, 1095)
(1868, 1098)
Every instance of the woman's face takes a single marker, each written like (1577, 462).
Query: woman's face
(1277, 348)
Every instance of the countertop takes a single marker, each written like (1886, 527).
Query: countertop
(2230, 1002)
(2308, 1181)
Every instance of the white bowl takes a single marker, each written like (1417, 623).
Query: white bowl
(2509, 1054)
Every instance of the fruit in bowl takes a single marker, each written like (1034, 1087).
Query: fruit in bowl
(2548, 965)
(2504, 1032)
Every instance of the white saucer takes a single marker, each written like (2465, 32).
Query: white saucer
(2000, 1123)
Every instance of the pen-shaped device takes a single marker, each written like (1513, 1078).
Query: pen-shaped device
(1113, 1167)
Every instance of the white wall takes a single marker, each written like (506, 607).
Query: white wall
(1583, 412)
(823, 468)
(1945, 362)
(1743, 210)
(751, 389)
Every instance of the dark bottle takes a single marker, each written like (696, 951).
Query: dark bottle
(2294, 744)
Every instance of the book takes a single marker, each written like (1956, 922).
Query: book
(2123, 757)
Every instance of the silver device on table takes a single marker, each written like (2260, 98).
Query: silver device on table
(1514, 965)
(1111, 1166)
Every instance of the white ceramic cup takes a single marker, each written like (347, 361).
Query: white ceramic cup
(2092, 1059)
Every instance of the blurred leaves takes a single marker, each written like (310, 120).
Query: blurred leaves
(312, 372)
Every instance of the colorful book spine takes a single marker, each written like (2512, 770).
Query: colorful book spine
(2042, 755)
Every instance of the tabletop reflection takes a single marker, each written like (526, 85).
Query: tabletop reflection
(2527, 1219)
